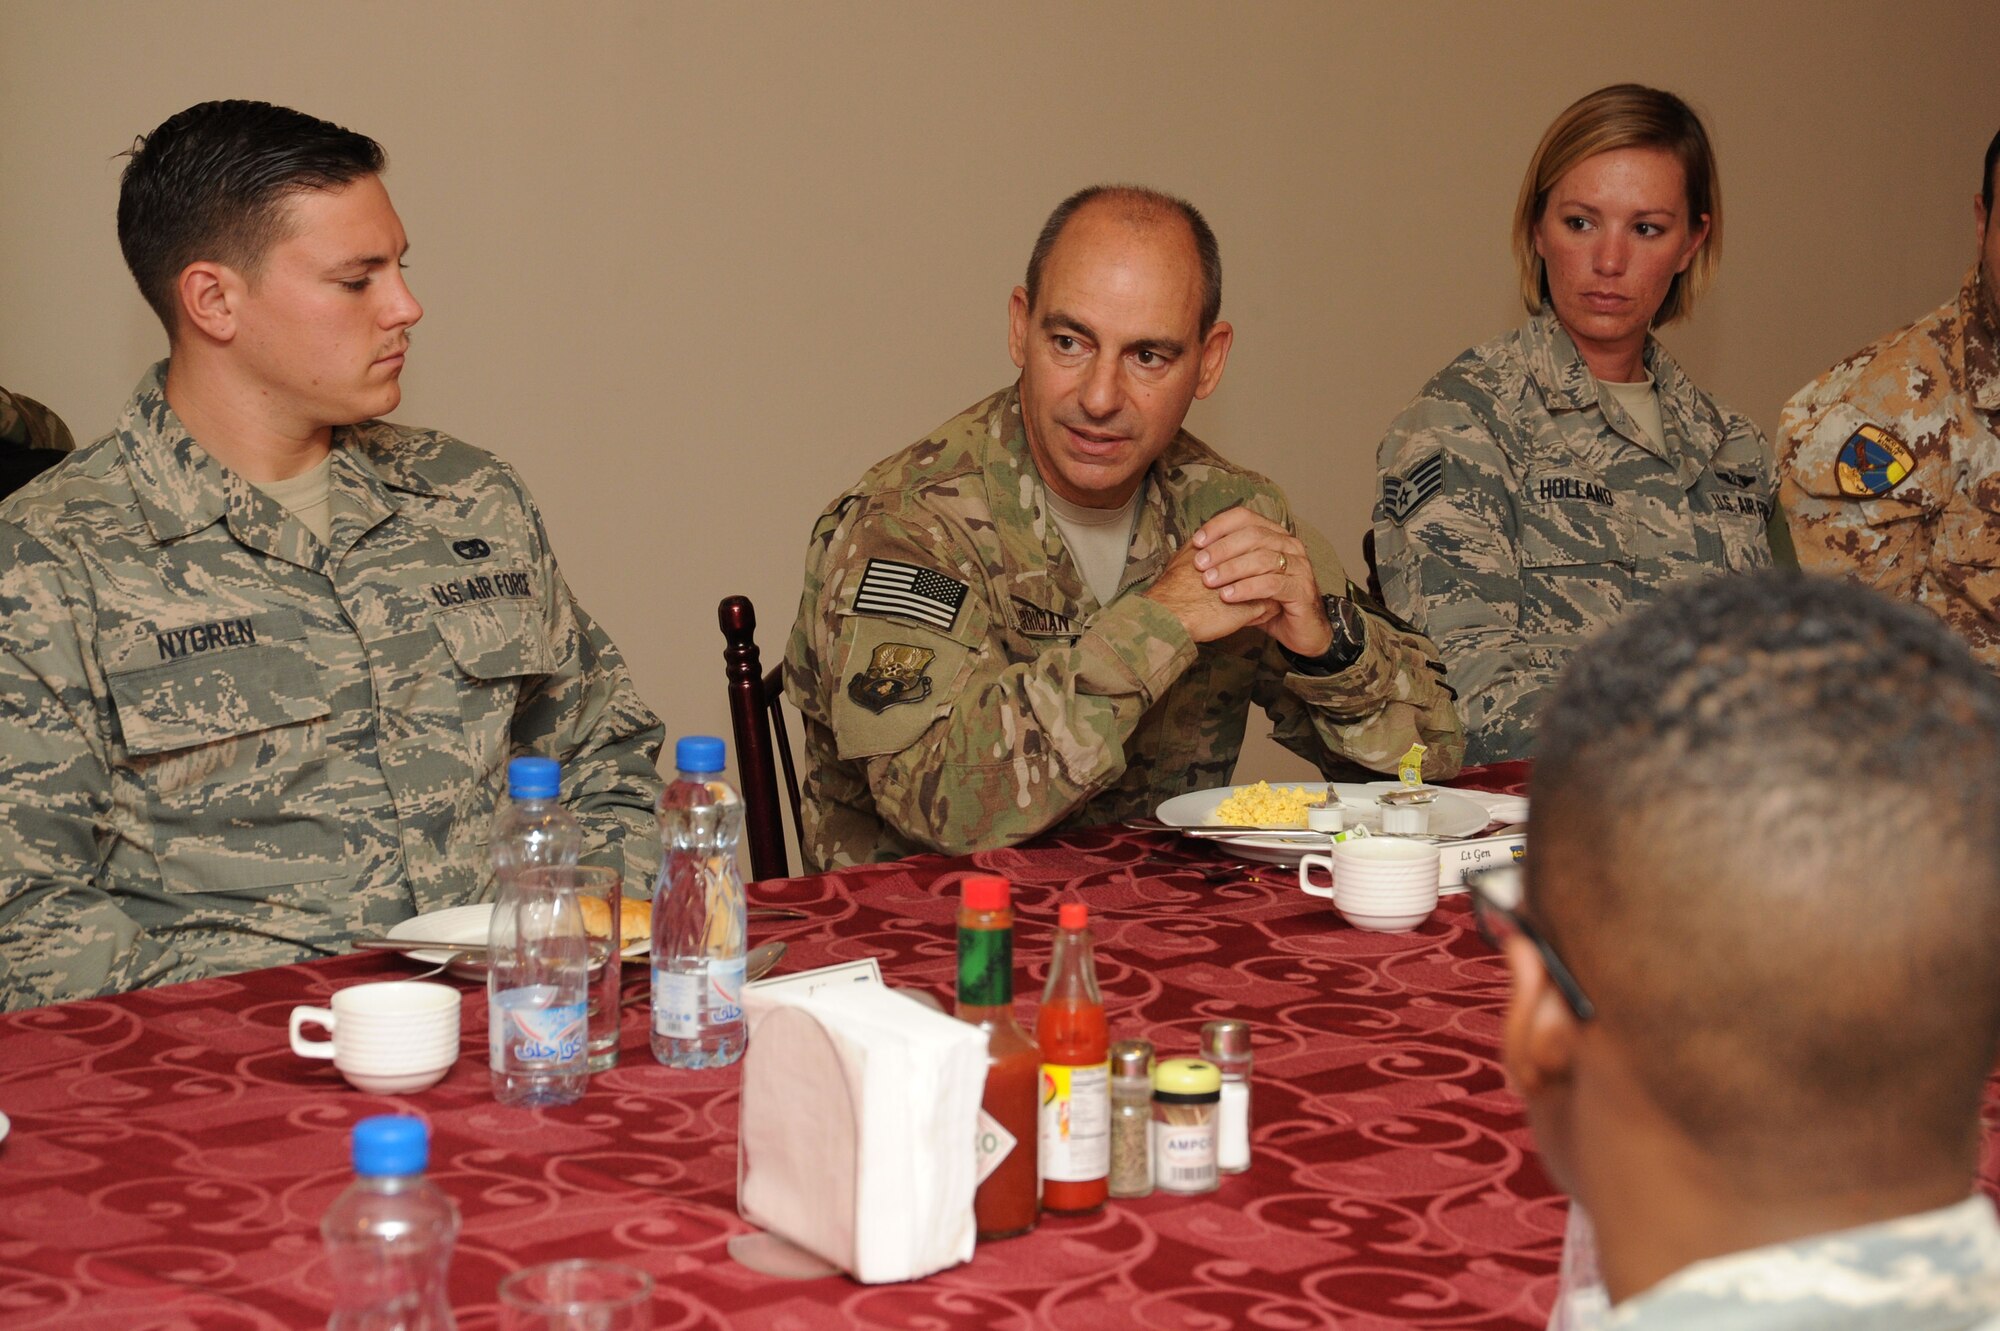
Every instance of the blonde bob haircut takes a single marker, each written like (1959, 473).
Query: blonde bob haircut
(1624, 115)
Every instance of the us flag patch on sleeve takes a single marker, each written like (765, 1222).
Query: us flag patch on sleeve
(889, 587)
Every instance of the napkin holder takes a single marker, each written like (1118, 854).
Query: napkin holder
(860, 1111)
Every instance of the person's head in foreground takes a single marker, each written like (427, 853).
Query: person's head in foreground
(1767, 853)
(265, 242)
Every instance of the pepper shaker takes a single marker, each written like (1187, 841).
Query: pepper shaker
(1132, 1118)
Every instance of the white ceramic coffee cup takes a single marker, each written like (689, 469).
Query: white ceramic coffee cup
(389, 1037)
(1372, 862)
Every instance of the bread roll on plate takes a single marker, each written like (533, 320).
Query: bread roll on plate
(635, 928)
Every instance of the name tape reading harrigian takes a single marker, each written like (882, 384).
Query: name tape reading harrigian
(892, 588)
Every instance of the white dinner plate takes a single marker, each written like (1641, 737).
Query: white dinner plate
(464, 924)
(1451, 815)
(5, 1127)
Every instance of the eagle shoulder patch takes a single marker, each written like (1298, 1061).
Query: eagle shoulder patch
(895, 674)
(1403, 495)
(1872, 463)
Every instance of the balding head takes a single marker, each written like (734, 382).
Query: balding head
(1137, 206)
(1767, 842)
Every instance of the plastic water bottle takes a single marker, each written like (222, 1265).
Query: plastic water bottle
(534, 827)
(389, 1236)
(698, 921)
(537, 969)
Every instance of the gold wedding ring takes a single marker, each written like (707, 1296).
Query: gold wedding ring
(1284, 562)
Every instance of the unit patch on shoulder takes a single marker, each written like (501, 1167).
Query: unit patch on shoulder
(1404, 495)
(890, 587)
(895, 674)
(1872, 463)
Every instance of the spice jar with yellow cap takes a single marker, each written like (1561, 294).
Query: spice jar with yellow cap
(1187, 1093)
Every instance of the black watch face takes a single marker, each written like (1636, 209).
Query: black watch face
(1345, 616)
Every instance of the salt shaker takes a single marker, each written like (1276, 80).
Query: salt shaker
(1132, 1118)
(1227, 1045)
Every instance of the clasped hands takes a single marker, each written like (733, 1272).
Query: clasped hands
(1239, 570)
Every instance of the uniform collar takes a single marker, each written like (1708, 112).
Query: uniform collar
(182, 488)
(1565, 381)
(1025, 525)
(1982, 342)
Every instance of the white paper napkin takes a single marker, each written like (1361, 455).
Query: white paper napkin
(860, 1113)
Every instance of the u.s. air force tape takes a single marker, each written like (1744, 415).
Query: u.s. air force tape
(1405, 494)
(890, 587)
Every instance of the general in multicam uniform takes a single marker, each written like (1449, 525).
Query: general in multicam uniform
(976, 665)
(1891, 459)
(236, 733)
(1545, 483)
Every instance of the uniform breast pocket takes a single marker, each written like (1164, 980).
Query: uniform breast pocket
(1575, 556)
(1967, 544)
(500, 651)
(230, 746)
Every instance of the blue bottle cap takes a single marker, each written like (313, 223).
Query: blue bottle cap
(534, 779)
(699, 753)
(391, 1146)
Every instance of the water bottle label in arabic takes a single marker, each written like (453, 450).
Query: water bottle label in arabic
(677, 1003)
(528, 1028)
(725, 991)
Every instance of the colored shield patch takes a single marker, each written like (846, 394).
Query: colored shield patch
(895, 674)
(1872, 463)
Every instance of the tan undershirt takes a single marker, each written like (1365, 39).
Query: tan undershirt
(1641, 401)
(307, 497)
(1099, 539)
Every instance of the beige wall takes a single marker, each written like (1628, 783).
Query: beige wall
(694, 267)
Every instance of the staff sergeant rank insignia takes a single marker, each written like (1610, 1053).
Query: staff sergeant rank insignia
(1872, 463)
(1404, 495)
(895, 674)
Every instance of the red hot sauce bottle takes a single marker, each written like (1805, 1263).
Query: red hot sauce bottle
(1076, 1074)
(1007, 1202)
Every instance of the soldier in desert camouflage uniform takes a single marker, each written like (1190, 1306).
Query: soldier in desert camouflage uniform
(32, 439)
(966, 683)
(1545, 483)
(1772, 1129)
(235, 736)
(1890, 461)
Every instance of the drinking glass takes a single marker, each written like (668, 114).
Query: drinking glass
(577, 1296)
(605, 887)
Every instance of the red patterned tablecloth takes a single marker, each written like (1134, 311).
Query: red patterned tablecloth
(170, 1157)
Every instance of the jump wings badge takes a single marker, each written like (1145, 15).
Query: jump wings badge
(895, 674)
(1872, 463)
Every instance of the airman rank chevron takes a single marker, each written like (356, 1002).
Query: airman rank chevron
(910, 590)
(1404, 495)
(1872, 463)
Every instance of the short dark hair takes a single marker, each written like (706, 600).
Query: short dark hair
(1767, 812)
(1986, 181)
(212, 183)
(1144, 203)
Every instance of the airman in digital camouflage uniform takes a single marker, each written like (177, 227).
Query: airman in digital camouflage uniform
(1545, 483)
(1057, 608)
(1891, 460)
(32, 439)
(1761, 1079)
(237, 730)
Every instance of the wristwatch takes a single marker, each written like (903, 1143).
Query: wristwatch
(1350, 635)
